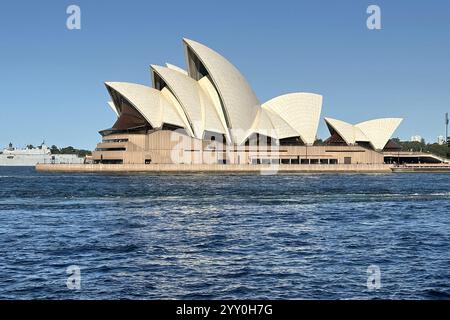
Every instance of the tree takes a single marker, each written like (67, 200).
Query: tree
(70, 150)
(54, 149)
(319, 142)
(440, 150)
(83, 153)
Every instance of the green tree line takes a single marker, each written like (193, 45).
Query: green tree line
(435, 148)
(70, 150)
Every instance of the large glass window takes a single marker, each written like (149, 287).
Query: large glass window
(292, 141)
(304, 161)
(333, 161)
(158, 81)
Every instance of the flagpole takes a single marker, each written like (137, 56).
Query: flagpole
(446, 127)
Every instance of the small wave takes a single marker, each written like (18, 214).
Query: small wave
(437, 294)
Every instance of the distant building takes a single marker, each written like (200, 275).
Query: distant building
(416, 139)
(441, 140)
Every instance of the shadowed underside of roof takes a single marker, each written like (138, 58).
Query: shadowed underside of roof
(113, 107)
(149, 102)
(348, 132)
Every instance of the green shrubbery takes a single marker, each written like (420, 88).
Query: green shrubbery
(70, 150)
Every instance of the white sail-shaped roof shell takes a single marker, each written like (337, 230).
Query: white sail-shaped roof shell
(282, 128)
(239, 102)
(212, 95)
(347, 131)
(263, 125)
(176, 68)
(301, 111)
(379, 131)
(149, 102)
(196, 103)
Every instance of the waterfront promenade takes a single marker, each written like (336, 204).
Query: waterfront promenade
(217, 168)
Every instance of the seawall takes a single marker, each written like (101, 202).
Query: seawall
(214, 168)
(429, 167)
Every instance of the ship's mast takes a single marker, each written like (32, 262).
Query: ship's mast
(446, 127)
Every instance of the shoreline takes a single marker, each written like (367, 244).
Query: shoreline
(216, 168)
(425, 168)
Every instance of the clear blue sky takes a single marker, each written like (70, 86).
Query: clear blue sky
(52, 78)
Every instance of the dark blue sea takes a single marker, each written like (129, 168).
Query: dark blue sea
(200, 236)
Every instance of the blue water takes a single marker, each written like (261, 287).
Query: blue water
(197, 236)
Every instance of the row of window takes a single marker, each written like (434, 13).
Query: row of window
(287, 161)
(294, 161)
(115, 140)
(110, 149)
(109, 161)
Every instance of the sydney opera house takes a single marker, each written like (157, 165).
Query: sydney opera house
(209, 114)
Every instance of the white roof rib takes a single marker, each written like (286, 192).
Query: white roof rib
(379, 131)
(176, 68)
(263, 125)
(113, 107)
(185, 91)
(347, 131)
(272, 125)
(208, 87)
(300, 110)
(148, 101)
(240, 103)
(196, 103)
(175, 115)
(282, 127)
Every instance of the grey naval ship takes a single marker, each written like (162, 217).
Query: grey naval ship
(12, 156)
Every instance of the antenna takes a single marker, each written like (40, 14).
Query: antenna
(446, 128)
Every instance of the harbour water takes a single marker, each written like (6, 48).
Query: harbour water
(200, 236)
